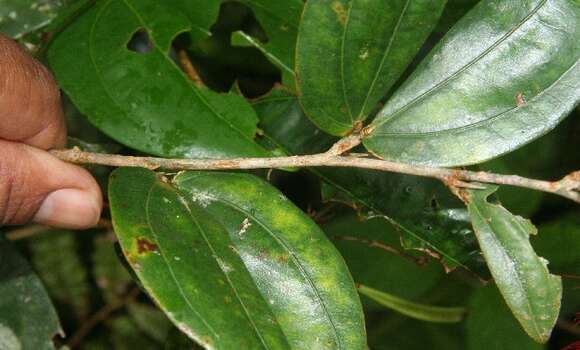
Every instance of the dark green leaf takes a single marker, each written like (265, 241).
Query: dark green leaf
(426, 214)
(422, 312)
(298, 271)
(280, 21)
(27, 317)
(285, 126)
(490, 325)
(142, 99)
(351, 52)
(20, 17)
(454, 10)
(374, 255)
(185, 261)
(218, 287)
(533, 295)
(505, 74)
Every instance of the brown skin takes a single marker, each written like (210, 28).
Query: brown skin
(33, 184)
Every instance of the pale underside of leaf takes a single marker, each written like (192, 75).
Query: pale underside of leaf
(531, 292)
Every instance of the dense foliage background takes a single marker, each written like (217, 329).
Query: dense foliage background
(420, 273)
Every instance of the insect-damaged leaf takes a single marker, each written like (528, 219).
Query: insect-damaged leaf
(123, 77)
(280, 21)
(351, 52)
(531, 292)
(504, 75)
(233, 263)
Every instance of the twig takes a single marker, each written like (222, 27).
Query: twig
(33, 230)
(102, 315)
(188, 67)
(383, 246)
(569, 327)
(568, 187)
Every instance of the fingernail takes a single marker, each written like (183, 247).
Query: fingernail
(69, 208)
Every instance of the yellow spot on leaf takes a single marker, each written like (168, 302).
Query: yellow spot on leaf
(340, 11)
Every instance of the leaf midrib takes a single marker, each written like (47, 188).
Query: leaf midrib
(462, 69)
(384, 58)
(286, 247)
(169, 267)
(197, 93)
(496, 241)
(501, 115)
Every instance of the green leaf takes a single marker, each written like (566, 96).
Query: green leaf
(422, 312)
(351, 52)
(216, 285)
(504, 75)
(280, 21)
(490, 325)
(374, 255)
(298, 271)
(526, 162)
(428, 217)
(142, 99)
(27, 318)
(286, 127)
(533, 295)
(20, 17)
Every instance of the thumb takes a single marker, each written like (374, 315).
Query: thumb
(36, 186)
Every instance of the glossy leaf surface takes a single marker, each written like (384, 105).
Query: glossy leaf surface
(422, 312)
(27, 317)
(428, 217)
(531, 292)
(139, 96)
(184, 260)
(20, 17)
(504, 75)
(222, 269)
(298, 271)
(351, 52)
(280, 20)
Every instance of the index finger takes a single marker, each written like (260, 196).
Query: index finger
(30, 105)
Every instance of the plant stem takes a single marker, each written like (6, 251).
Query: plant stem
(102, 315)
(568, 187)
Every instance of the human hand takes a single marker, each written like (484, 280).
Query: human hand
(34, 185)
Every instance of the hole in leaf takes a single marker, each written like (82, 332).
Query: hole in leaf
(221, 66)
(140, 42)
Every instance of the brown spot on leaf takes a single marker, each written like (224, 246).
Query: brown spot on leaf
(145, 246)
(520, 100)
(282, 259)
(340, 11)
